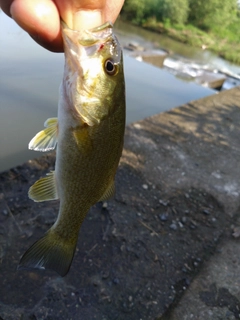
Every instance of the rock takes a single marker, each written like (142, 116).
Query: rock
(163, 217)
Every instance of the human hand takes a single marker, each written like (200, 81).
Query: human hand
(41, 18)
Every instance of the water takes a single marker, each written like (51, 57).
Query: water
(29, 81)
(150, 40)
(185, 62)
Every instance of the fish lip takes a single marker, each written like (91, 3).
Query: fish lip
(76, 40)
(102, 27)
(88, 37)
(105, 25)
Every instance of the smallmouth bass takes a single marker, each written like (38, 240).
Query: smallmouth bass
(88, 132)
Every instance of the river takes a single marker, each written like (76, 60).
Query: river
(30, 77)
(151, 40)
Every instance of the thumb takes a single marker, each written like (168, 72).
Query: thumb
(84, 14)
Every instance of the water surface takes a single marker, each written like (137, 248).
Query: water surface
(150, 40)
(29, 81)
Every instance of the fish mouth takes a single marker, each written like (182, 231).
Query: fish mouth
(88, 37)
(106, 28)
(80, 45)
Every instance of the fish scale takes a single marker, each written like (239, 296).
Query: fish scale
(89, 133)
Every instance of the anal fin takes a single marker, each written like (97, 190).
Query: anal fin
(46, 139)
(44, 189)
(109, 192)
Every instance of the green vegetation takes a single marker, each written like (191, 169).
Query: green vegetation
(212, 24)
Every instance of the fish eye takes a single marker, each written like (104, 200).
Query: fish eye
(110, 67)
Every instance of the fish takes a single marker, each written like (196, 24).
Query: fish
(88, 135)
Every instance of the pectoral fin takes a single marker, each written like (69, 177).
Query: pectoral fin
(83, 140)
(44, 189)
(109, 192)
(46, 139)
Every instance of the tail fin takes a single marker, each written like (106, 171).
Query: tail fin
(50, 252)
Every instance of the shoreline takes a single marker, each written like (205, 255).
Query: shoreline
(194, 37)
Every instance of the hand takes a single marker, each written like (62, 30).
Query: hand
(41, 18)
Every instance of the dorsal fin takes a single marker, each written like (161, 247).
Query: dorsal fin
(44, 189)
(46, 139)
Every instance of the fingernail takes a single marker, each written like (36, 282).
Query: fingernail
(87, 19)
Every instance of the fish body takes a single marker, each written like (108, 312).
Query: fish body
(89, 135)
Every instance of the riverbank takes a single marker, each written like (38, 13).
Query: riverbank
(226, 45)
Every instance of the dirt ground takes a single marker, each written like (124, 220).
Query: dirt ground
(176, 200)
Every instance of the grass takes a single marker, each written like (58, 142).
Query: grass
(223, 41)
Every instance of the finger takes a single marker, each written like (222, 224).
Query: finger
(82, 14)
(112, 10)
(41, 20)
(86, 14)
(5, 6)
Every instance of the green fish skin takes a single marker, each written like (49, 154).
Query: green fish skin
(89, 133)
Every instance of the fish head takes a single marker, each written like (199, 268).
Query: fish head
(93, 78)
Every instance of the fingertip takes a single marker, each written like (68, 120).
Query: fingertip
(41, 20)
(55, 46)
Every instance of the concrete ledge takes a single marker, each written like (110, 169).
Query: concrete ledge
(211, 79)
(177, 198)
(154, 57)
